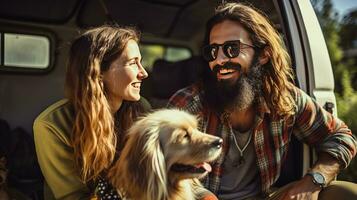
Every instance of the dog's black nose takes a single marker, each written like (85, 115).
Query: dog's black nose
(218, 143)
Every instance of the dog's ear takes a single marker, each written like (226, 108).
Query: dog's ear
(142, 165)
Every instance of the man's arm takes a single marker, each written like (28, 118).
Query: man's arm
(330, 137)
(324, 132)
(328, 166)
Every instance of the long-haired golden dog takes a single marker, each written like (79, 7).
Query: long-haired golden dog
(164, 155)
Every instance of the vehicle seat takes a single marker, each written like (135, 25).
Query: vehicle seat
(4, 135)
(24, 174)
(168, 77)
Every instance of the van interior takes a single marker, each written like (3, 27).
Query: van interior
(34, 44)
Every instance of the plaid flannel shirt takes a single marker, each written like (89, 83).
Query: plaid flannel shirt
(311, 124)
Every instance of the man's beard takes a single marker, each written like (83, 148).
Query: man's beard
(223, 95)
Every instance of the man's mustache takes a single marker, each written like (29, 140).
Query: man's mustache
(227, 65)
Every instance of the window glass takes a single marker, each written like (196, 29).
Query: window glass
(176, 54)
(26, 51)
(151, 53)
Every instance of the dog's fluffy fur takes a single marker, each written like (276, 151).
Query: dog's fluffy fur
(164, 155)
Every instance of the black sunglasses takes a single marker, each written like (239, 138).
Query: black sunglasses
(231, 49)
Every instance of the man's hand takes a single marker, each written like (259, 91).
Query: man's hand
(303, 189)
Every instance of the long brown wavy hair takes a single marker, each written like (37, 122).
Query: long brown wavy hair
(278, 75)
(95, 129)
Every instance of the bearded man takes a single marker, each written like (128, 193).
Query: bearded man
(248, 98)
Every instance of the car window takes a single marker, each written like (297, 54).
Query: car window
(153, 52)
(25, 51)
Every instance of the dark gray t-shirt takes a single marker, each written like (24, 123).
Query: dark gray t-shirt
(240, 181)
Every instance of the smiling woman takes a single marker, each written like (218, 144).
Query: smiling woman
(77, 138)
(124, 76)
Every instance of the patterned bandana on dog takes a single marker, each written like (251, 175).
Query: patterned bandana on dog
(105, 191)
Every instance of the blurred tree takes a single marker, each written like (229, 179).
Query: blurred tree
(347, 107)
(349, 30)
(344, 69)
(349, 43)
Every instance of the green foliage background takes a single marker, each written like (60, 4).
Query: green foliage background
(339, 36)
